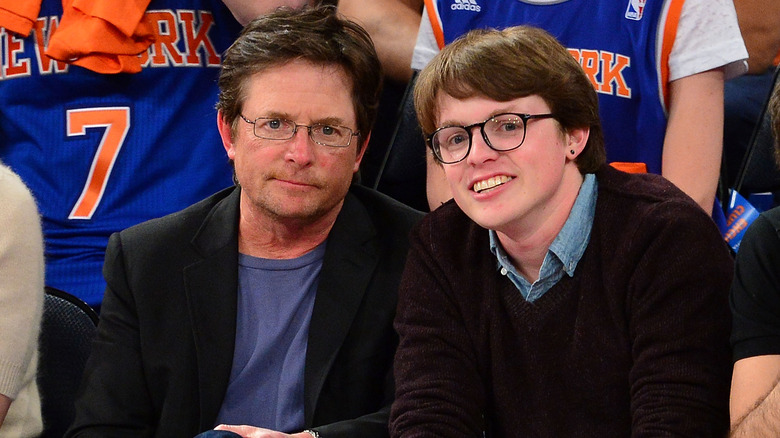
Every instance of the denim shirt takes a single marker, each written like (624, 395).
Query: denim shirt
(564, 252)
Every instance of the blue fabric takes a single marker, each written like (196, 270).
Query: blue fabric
(618, 48)
(218, 434)
(564, 252)
(169, 157)
(275, 302)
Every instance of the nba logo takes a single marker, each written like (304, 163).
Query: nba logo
(635, 9)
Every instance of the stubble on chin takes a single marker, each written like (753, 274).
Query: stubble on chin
(307, 208)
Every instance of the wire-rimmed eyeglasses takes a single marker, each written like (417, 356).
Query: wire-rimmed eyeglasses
(501, 132)
(275, 128)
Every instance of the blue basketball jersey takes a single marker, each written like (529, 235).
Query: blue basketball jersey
(103, 152)
(623, 46)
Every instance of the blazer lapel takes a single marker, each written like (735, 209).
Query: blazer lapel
(350, 259)
(211, 286)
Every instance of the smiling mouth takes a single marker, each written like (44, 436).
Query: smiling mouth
(490, 183)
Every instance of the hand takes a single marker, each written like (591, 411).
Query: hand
(259, 432)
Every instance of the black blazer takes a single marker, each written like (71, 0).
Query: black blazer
(162, 358)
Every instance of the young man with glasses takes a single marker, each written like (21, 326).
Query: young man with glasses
(556, 296)
(658, 68)
(270, 303)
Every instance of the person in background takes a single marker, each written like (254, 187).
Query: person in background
(745, 96)
(21, 306)
(106, 138)
(755, 306)
(556, 296)
(393, 26)
(246, 11)
(269, 304)
(758, 22)
(658, 68)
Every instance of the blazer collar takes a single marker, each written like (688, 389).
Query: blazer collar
(351, 257)
(211, 286)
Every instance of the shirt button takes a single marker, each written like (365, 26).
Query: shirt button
(503, 271)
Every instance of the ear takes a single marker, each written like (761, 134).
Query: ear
(226, 132)
(576, 139)
(360, 153)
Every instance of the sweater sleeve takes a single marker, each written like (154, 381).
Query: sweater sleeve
(21, 282)
(679, 325)
(438, 386)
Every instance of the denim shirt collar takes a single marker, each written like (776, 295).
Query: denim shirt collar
(564, 252)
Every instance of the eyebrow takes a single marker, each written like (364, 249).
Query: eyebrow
(492, 114)
(276, 115)
(333, 121)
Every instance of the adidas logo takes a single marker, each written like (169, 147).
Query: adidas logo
(465, 5)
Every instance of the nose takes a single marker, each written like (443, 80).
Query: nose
(480, 151)
(300, 148)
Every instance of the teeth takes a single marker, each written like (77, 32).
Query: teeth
(489, 183)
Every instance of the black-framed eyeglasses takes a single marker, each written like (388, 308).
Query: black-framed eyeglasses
(501, 132)
(275, 128)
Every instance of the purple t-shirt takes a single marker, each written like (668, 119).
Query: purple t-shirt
(275, 302)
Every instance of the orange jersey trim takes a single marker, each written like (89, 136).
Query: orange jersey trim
(629, 167)
(669, 34)
(433, 17)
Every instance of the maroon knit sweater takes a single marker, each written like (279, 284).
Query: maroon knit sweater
(635, 344)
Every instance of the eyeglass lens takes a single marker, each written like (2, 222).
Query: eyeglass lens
(503, 132)
(281, 129)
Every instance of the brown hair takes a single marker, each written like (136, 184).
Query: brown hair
(508, 64)
(317, 35)
(774, 114)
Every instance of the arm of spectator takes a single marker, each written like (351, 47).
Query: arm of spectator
(755, 306)
(393, 26)
(759, 22)
(21, 296)
(5, 403)
(439, 388)
(679, 326)
(246, 11)
(694, 136)
(755, 396)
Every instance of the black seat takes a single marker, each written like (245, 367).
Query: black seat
(67, 330)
